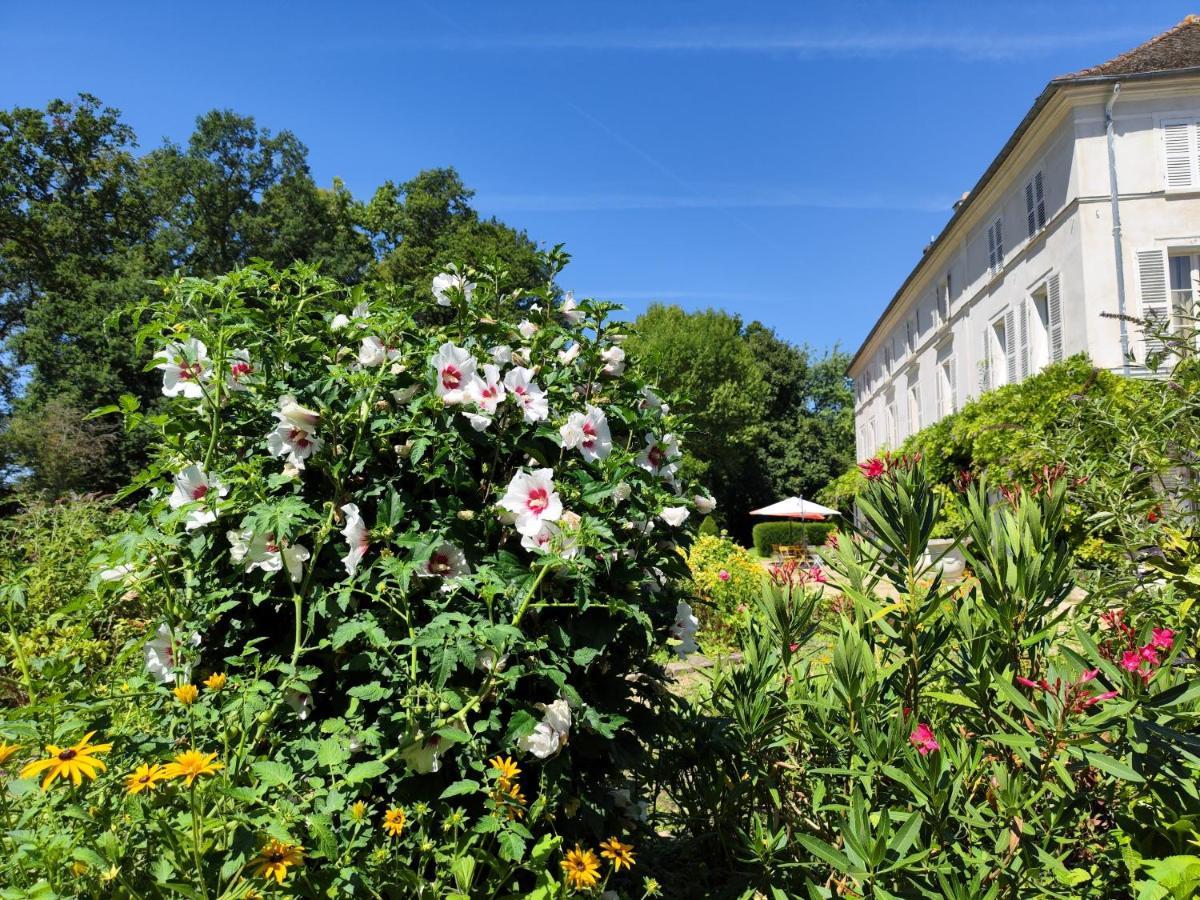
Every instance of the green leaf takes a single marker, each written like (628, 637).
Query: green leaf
(824, 851)
(512, 846)
(274, 774)
(372, 768)
(466, 786)
(332, 752)
(1113, 767)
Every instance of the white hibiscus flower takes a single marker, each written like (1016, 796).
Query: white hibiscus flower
(530, 397)
(162, 654)
(355, 533)
(552, 733)
(193, 485)
(448, 282)
(674, 515)
(453, 367)
(684, 630)
(589, 432)
(532, 501)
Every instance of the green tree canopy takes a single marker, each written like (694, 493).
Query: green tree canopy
(86, 223)
(770, 419)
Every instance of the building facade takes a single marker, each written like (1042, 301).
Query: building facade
(1091, 207)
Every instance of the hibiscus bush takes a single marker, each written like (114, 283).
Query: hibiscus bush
(407, 564)
(1004, 737)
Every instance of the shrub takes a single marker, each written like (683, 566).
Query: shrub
(769, 535)
(708, 526)
(728, 580)
(399, 553)
(983, 740)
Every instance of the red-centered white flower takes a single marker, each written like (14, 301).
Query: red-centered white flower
(487, 392)
(240, 371)
(426, 756)
(704, 504)
(447, 284)
(374, 352)
(530, 397)
(302, 703)
(294, 437)
(589, 432)
(478, 421)
(447, 561)
(532, 500)
(614, 361)
(262, 551)
(568, 356)
(658, 458)
(185, 367)
(453, 369)
(552, 733)
(501, 355)
(570, 310)
(193, 485)
(560, 538)
(162, 653)
(527, 329)
(674, 515)
(355, 533)
(684, 630)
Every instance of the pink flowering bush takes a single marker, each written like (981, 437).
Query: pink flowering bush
(1002, 737)
(416, 554)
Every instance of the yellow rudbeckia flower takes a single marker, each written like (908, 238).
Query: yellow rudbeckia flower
(76, 762)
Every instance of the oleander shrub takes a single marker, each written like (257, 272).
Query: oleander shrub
(769, 535)
(998, 738)
(406, 566)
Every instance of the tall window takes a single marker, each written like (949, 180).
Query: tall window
(994, 371)
(1038, 322)
(1035, 204)
(892, 435)
(947, 398)
(995, 239)
(942, 301)
(1185, 288)
(914, 407)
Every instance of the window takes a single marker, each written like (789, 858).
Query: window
(909, 336)
(1038, 322)
(891, 426)
(1035, 204)
(995, 239)
(943, 301)
(947, 401)
(994, 371)
(1181, 151)
(1185, 288)
(914, 405)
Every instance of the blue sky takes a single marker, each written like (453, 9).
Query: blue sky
(784, 161)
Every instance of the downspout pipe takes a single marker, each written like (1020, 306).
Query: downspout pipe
(1115, 202)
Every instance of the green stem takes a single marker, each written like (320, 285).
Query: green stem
(197, 836)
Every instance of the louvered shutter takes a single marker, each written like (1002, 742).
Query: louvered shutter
(1055, 316)
(940, 395)
(1182, 142)
(1152, 286)
(992, 249)
(999, 243)
(1023, 338)
(985, 360)
(1030, 214)
(1039, 196)
(1010, 344)
(952, 383)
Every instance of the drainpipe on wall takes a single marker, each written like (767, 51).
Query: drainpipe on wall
(1114, 199)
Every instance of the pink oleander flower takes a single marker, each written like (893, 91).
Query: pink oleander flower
(1162, 638)
(817, 575)
(922, 738)
(1149, 654)
(1131, 660)
(872, 468)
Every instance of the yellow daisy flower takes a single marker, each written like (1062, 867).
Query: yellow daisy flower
(216, 681)
(7, 750)
(358, 811)
(79, 868)
(75, 762)
(506, 768)
(620, 855)
(144, 778)
(274, 860)
(186, 694)
(393, 821)
(581, 868)
(191, 764)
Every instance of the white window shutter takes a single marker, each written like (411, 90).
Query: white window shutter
(985, 360)
(1182, 143)
(940, 397)
(952, 384)
(1010, 341)
(1152, 287)
(1055, 315)
(1023, 338)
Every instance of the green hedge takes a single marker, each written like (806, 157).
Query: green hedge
(769, 535)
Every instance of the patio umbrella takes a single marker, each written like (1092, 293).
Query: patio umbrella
(796, 508)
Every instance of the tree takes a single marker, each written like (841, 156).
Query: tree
(86, 224)
(769, 419)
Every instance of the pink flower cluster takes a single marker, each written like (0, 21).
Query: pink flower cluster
(1123, 647)
(790, 573)
(1076, 698)
(922, 738)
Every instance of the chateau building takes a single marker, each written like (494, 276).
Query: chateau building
(1092, 206)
